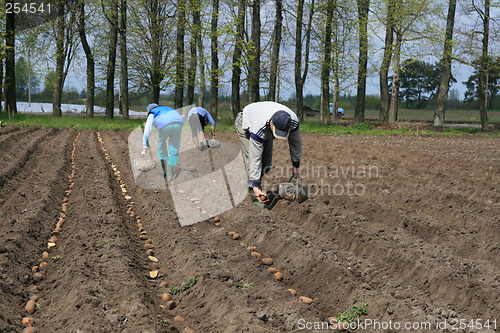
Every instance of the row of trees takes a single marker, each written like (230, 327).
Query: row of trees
(419, 85)
(194, 46)
(420, 82)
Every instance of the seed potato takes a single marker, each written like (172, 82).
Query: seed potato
(255, 254)
(30, 307)
(28, 321)
(305, 300)
(272, 270)
(267, 261)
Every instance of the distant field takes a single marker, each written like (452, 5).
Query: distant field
(466, 116)
(427, 115)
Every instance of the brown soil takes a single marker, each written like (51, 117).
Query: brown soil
(409, 225)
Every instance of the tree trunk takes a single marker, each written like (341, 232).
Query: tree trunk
(325, 67)
(193, 60)
(300, 78)
(10, 64)
(254, 54)
(386, 63)
(363, 8)
(446, 63)
(124, 100)
(90, 62)
(307, 52)
(191, 72)
(201, 60)
(483, 69)
(156, 70)
(393, 108)
(111, 66)
(60, 57)
(238, 47)
(179, 58)
(214, 75)
(275, 52)
(1, 80)
(299, 84)
(335, 64)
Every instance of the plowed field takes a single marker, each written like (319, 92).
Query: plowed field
(409, 225)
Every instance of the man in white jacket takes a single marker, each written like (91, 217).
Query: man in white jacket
(257, 125)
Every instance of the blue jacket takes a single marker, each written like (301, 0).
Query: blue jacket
(161, 116)
(165, 115)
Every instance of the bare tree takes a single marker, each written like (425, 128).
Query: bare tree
(179, 56)
(10, 63)
(341, 28)
(275, 52)
(393, 104)
(193, 42)
(201, 61)
(406, 16)
(300, 77)
(112, 18)
(254, 54)
(363, 9)
(237, 58)
(325, 66)
(386, 63)
(214, 72)
(60, 57)
(1, 79)
(446, 63)
(151, 46)
(483, 65)
(66, 42)
(122, 23)
(90, 61)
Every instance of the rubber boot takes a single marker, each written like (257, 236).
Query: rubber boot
(163, 168)
(170, 172)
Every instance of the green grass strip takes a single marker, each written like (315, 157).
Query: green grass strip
(99, 122)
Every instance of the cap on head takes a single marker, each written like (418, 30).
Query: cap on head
(281, 124)
(151, 106)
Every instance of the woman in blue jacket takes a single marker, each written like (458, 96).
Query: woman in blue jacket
(169, 124)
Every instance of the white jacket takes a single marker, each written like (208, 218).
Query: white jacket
(256, 117)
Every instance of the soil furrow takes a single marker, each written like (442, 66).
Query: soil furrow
(27, 211)
(211, 248)
(462, 148)
(384, 264)
(364, 263)
(9, 129)
(98, 272)
(408, 167)
(12, 164)
(11, 140)
(476, 237)
(420, 244)
(424, 211)
(5, 133)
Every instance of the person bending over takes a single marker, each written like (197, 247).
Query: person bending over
(169, 124)
(257, 126)
(198, 118)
